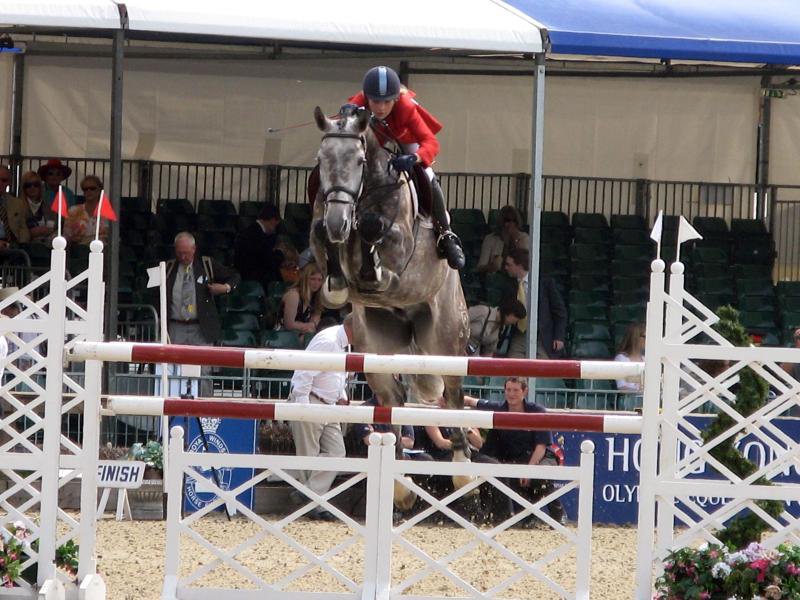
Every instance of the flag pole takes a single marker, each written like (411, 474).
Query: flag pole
(99, 212)
(58, 201)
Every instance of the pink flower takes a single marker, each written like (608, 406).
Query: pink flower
(761, 565)
(704, 595)
(792, 569)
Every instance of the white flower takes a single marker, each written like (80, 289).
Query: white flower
(720, 570)
(737, 558)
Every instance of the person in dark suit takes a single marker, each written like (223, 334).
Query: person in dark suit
(192, 283)
(552, 312)
(256, 256)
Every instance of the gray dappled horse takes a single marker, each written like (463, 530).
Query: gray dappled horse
(379, 254)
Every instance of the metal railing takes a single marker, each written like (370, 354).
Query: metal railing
(784, 219)
(604, 195)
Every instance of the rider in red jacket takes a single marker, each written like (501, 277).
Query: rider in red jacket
(402, 119)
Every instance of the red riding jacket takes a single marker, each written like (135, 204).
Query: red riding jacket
(409, 123)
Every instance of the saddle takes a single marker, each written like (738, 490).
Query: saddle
(419, 179)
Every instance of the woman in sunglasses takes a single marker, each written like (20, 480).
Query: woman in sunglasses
(29, 217)
(81, 222)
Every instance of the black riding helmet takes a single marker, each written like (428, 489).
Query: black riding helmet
(381, 83)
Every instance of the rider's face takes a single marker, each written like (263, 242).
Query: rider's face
(381, 108)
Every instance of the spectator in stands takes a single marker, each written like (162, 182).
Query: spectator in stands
(30, 219)
(81, 222)
(53, 173)
(301, 307)
(552, 312)
(256, 255)
(793, 368)
(361, 431)
(521, 447)
(631, 349)
(192, 283)
(326, 388)
(486, 324)
(508, 236)
(5, 183)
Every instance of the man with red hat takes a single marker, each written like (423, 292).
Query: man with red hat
(53, 172)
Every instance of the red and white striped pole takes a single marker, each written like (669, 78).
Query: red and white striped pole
(290, 360)
(318, 413)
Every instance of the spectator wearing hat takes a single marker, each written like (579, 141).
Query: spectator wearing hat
(30, 219)
(257, 257)
(53, 173)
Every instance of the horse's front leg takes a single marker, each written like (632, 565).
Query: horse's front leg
(334, 289)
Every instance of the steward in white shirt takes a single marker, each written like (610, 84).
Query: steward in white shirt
(321, 387)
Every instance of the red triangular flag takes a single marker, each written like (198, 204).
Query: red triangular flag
(106, 210)
(59, 205)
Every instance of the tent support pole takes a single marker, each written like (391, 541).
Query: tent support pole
(535, 204)
(17, 87)
(112, 257)
(762, 168)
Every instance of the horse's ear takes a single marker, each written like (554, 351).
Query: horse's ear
(363, 120)
(320, 118)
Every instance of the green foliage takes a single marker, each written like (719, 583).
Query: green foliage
(751, 395)
(152, 454)
(14, 550)
(713, 572)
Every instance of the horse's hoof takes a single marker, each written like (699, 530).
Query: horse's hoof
(333, 298)
(404, 498)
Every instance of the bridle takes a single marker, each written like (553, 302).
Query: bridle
(355, 195)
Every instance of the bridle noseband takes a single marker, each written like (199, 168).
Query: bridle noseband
(339, 188)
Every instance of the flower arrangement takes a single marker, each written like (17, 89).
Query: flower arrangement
(152, 454)
(713, 572)
(15, 550)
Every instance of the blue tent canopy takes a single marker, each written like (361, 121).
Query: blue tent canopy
(767, 31)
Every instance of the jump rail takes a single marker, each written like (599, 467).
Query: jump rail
(289, 360)
(282, 411)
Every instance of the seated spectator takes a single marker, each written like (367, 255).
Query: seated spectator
(631, 349)
(301, 306)
(257, 257)
(30, 218)
(508, 236)
(81, 222)
(361, 431)
(521, 447)
(53, 173)
(486, 323)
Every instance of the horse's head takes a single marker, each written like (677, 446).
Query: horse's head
(342, 161)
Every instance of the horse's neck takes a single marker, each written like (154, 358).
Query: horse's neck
(377, 159)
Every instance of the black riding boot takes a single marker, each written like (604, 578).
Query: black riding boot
(448, 244)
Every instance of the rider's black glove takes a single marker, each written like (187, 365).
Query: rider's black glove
(404, 162)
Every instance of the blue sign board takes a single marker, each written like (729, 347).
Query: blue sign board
(235, 436)
(617, 465)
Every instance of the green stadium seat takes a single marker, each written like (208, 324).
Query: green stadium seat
(216, 207)
(553, 235)
(590, 220)
(633, 237)
(587, 313)
(590, 330)
(470, 233)
(252, 289)
(473, 216)
(588, 251)
(755, 303)
(631, 268)
(297, 211)
(634, 253)
(714, 285)
(748, 228)
(590, 283)
(238, 338)
(629, 284)
(626, 313)
(590, 349)
(134, 204)
(628, 222)
(287, 340)
(249, 208)
(758, 320)
(755, 251)
(715, 300)
(174, 206)
(590, 267)
(752, 271)
(553, 251)
(788, 288)
(711, 227)
(590, 235)
(791, 319)
(789, 303)
(709, 255)
(555, 219)
(631, 297)
(755, 287)
(242, 321)
(580, 297)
